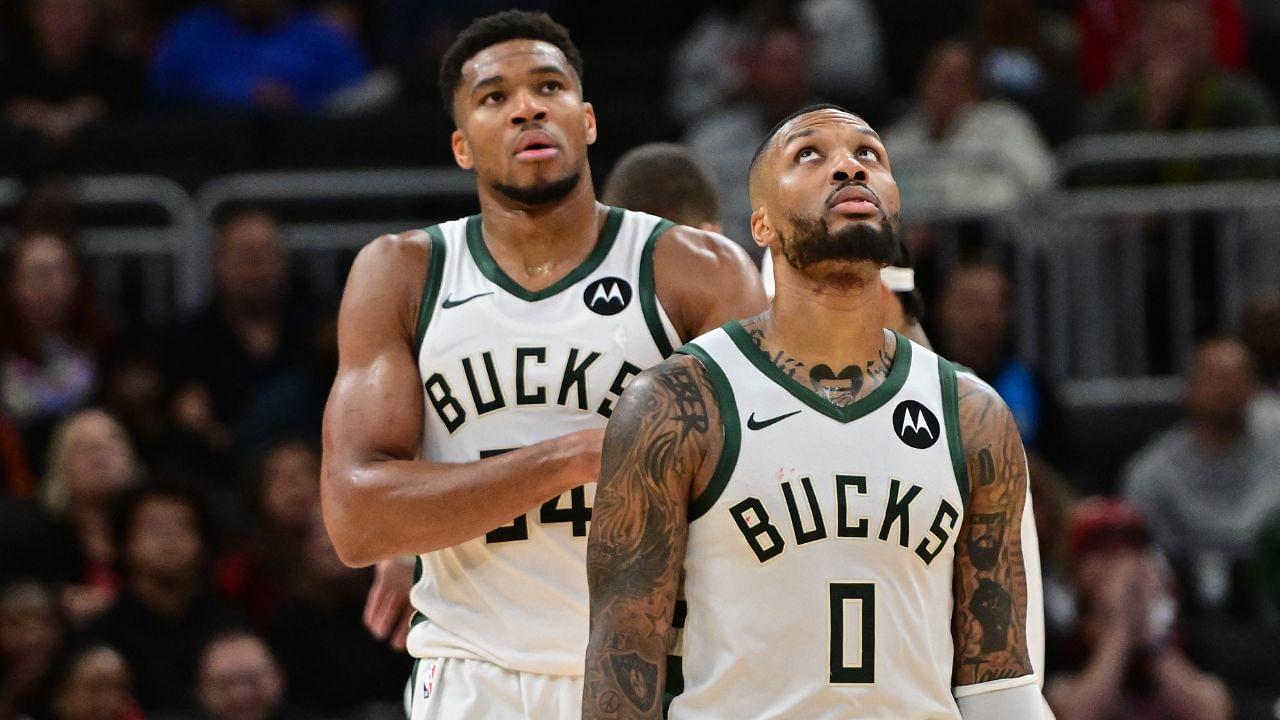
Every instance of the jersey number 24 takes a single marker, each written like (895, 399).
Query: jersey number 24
(578, 514)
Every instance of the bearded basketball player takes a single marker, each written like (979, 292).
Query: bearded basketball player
(479, 361)
(848, 539)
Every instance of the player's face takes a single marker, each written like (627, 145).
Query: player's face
(522, 123)
(828, 193)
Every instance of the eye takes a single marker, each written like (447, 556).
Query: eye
(551, 86)
(806, 153)
(494, 98)
(868, 152)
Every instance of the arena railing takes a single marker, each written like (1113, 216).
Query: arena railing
(159, 250)
(320, 245)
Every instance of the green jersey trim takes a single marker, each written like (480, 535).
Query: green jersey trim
(951, 416)
(648, 295)
(864, 406)
(430, 287)
(490, 269)
(732, 433)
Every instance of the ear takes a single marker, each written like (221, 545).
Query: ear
(589, 116)
(461, 150)
(762, 230)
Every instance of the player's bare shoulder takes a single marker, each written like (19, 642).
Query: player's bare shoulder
(984, 416)
(704, 280)
(388, 274)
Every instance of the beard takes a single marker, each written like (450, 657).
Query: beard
(541, 194)
(811, 241)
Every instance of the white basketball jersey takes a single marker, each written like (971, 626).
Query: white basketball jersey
(501, 368)
(819, 565)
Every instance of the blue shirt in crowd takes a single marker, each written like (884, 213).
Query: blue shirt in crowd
(208, 59)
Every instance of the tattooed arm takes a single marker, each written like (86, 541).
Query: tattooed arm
(989, 622)
(662, 440)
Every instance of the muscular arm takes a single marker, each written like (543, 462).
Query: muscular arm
(662, 439)
(704, 280)
(379, 500)
(989, 621)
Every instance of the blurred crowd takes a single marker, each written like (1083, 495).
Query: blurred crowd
(160, 549)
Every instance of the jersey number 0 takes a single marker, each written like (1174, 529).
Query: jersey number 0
(854, 637)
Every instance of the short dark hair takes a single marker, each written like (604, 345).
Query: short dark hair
(499, 28)
(664, 179)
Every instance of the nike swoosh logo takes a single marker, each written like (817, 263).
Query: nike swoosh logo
(753, 424)
(451, 303)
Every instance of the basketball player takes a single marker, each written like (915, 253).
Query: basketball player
(848, 538)
(479, 361)
(667, 180)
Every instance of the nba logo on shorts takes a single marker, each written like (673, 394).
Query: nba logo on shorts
(429, 683)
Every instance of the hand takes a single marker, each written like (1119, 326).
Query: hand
(1122, 608)
(387, 611)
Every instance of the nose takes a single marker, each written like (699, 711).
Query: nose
(848, 168)
(527, 108)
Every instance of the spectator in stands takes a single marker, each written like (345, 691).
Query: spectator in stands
(259, 55)
(50, 335)
(94, 682)
(956, 148)
(1025, 55)
(665, 179)
(1209, 484)
(334, 665)
(252, 332)
(847, 51)
(778, 68)
(1110, 37)
(91, 464)
(31, 632)
(284, 508)
(164, 614)
(137, 389)
(976, 331)
(240, 679)
(1179, 85)
(64, 75)
(1123, 662)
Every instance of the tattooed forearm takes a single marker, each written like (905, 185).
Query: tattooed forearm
(990, 584)
(658, 440)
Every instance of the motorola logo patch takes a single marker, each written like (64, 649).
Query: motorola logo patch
(915, 424)
(607, 296)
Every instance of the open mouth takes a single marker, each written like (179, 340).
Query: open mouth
(536, 145)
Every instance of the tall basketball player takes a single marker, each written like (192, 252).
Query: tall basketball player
(844, 508)
(479, 362)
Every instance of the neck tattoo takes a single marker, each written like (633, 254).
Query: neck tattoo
(840, 388)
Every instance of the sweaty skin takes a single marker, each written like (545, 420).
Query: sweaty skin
(823, 329)
(379, 499)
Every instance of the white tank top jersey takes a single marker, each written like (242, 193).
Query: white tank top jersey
(819, 564)
(501, 368)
